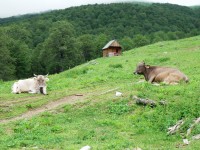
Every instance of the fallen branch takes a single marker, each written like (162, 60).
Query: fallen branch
(78, 94)
(144, 102)
(175, 128)
(192, 126)
(164, 103)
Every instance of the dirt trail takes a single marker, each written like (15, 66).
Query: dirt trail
(51, 105)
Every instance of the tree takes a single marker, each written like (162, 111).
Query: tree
(140, 40)
(172, 36)
(100, 41)
(18, 32)
(159, 36)
(37, 64)
(87, 46)
(7, 71)
(127, 43)
(60, 48)
(22, 54)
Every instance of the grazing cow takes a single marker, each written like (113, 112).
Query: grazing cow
(33, 85)
(160, 74)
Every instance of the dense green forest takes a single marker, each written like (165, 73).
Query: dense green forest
(58, 40)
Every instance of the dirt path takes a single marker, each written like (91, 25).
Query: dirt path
(66, 100)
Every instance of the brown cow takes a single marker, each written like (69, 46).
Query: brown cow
(160, 74)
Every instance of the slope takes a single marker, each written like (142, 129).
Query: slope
(103, 120)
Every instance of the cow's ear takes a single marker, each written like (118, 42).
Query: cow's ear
(35, 78)
(147, 66)
(46, 79)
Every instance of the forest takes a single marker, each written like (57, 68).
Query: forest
(55, 41)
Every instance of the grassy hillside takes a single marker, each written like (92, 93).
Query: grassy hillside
(102, 120)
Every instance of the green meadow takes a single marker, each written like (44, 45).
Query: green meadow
(102, 120)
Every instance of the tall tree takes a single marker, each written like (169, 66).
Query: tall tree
(140, 40)
(7, 66)
(60, 48)
(88, 47)
(100, 42)
(22, 54)
(127, 43)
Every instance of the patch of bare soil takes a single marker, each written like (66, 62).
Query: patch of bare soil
(18, 101)
(193, 48)
(66, 100)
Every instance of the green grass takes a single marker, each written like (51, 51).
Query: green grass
(104, 121)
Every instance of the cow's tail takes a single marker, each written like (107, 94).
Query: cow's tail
(15, 88)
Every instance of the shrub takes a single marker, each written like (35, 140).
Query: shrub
(119, 108)
(115, 66)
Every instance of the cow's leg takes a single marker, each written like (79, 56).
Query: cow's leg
(167, 80)
(32, 91)
(170, 82)
(45, 90)
(161, 77)
(151, 79)
(19, 91)
(172, 79)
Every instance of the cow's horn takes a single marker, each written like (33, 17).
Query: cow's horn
(47, 74)
(35, 75)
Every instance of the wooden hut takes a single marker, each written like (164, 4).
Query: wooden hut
(112, 48)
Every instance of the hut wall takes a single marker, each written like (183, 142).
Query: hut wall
(108, 51)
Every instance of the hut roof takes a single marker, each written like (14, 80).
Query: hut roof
(112, 43)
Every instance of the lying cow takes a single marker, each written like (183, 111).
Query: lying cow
(36, 84)
(160, 74)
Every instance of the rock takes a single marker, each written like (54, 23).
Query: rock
(118, 94)
(137, 148)
(185, 141)
(196, 137)
(86, 148)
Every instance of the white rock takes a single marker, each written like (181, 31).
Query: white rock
(118, 94)
(185, 141)
(137, 148)
(86, 148)
(196, 137)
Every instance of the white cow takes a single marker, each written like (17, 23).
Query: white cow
(33, 85)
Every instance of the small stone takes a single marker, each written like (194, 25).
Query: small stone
(86, 148)
(185, 141)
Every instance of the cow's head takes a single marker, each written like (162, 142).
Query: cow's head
(41, 80)
(141, 67)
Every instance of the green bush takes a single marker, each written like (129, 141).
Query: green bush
(115, 66)
(119, 108)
